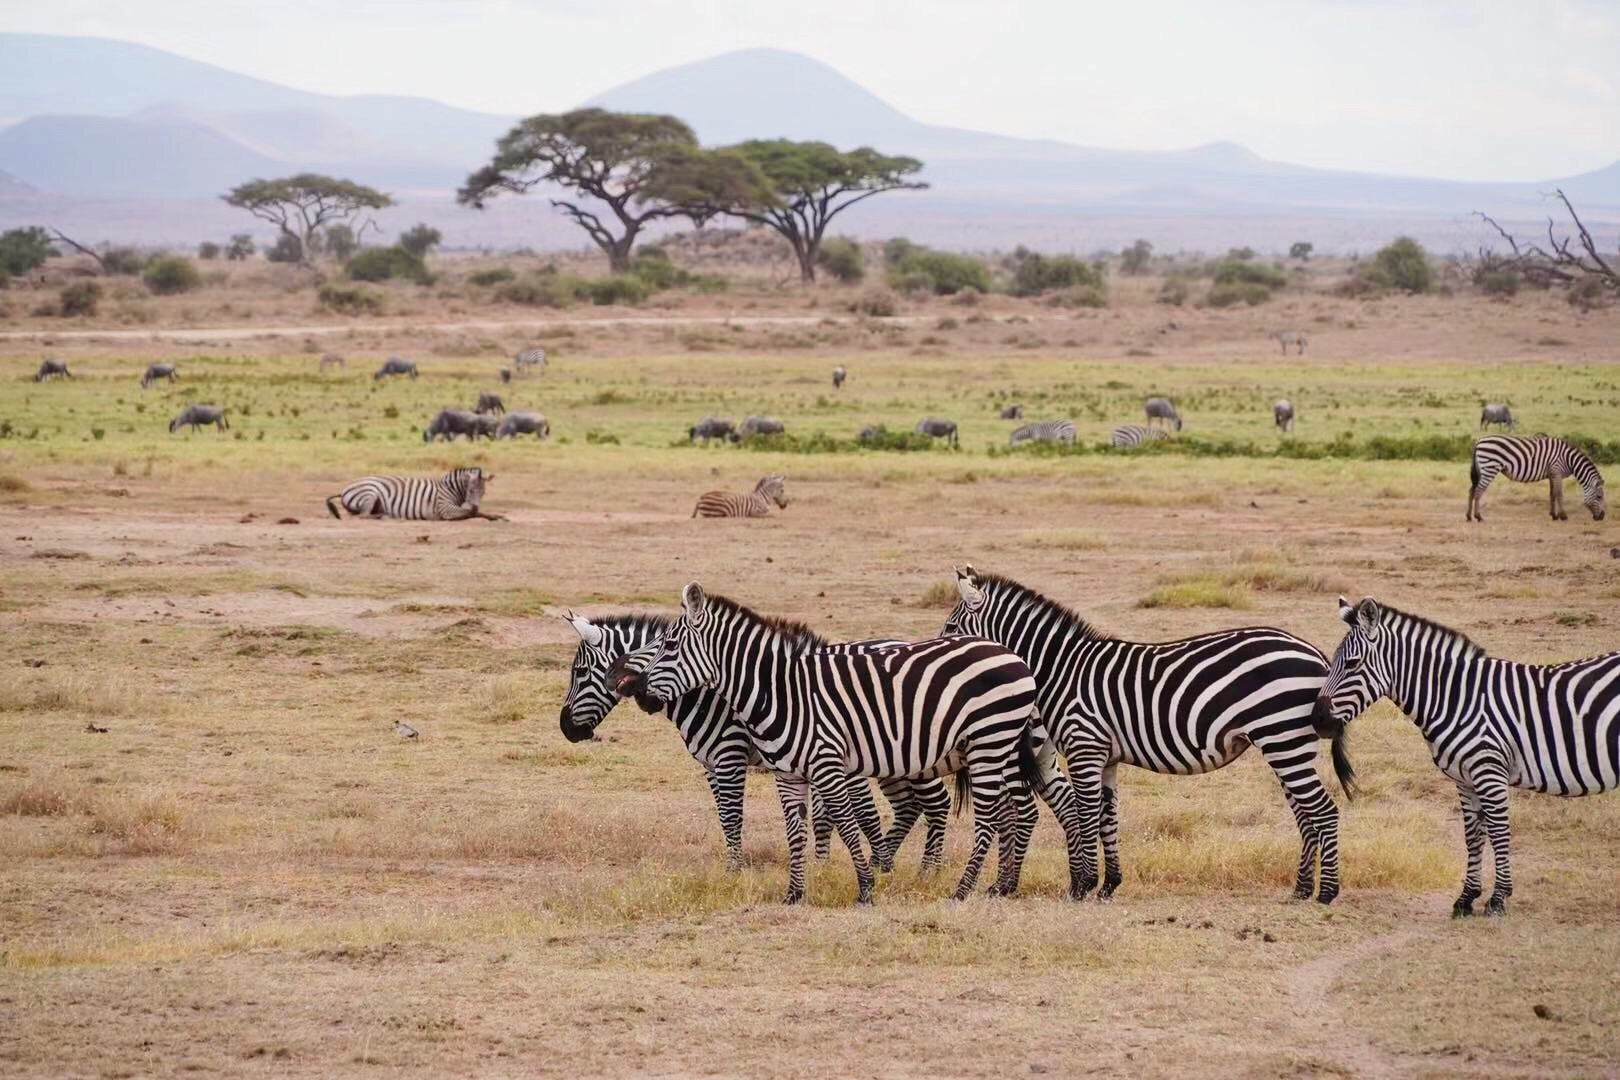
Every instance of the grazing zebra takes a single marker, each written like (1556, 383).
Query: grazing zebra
(529, 358)
(523, 423)
(1136, 435)
(1291, 337)
(1491, 724)
(1012, 412)
(760, 425)
(757, 503)
(1177, 707)
(1496, 414)
(717, 740)
(51, 368)
(489, 403)
(906, 711)
(1531, 458)
(452, 422)
(1162, 408)
(1282, 414)
(332, 359)
(395, 366)
(194, 416)
(453, 497)
(710, 427)
(1044, 431)
(154, 372)
(936, 428)
(839, 375)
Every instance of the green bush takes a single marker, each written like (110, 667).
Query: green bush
(80, 298)
(208, 251)
(1220, 296)
(1035, 274)
(387, 263)
(122, 262)
(945, 273)
(1134, 259)
(240, 247)
(1081, 296)
(22, 250)
(1589, 293)
(340, 242)
(418, 240)
(495, 275)
(350, 299)
(1402, 265)
(656, 272)
(876, 303)
(1503, 283)
(170, 275)
(545, 288)
(1240, 272)
(628, 289)
(896, 250)
(843, 259)
(286, 249)
(1301, 250)
(1173, 291)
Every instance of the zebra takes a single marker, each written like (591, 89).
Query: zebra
(332, 359)
(1177, 707)
(52, 368)
(489, 403)
(194, 416)
(1291, 337)
(1531, 458)
(395, 366)
(452, 422)
(936, 428)
(1162, 408)
(757, 503)
(529, 358)
(908, 711)
(839, 375)
(611, 647)
(710, 427)
(1012, 412)
(760, 425)
(1136, 435)
(1282, 414)
(524, 423)
(1044, 431)
(453, 497)
(154, 372)
(1491, 724)
(1496, 414)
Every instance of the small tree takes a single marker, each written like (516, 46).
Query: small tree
(24, 250)
(1402, 265)
(240, 248)
(1134, 259)
(208, 251)
(339, 242)
(80, 298)
(301, 206)
(286, 249)
(843, 259)
(420, 239)
(1301, 250)
(168, 275)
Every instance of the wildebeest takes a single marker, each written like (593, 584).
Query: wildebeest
(1294, 338)
(506, 374)
(1012, 412)
(452, 422)
(194, 416)
(1496, 414)
(711, 427)
(1282, 414)
(395, 366)
(1162, 408)
(870, 433)
(839, 375)
(154, 372)
(761, 425)
(489, 403)
(937, 428)
(332, 359)
(523, 423)
(52, 368)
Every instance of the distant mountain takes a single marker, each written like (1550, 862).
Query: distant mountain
(94, 156)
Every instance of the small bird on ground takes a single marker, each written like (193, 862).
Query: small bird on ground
(404, 730)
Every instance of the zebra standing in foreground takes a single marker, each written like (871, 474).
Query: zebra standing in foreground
(453, 497)
(1491, 724)
(395, 366)
(1291, 337)
(757, 503)
(1136, 435)
(529, 358)
(1282, 414)
(1162, 408)
(839, 375)
(154, 372)
(1532, 458)
(1496, 414)
(903, 712)
(1176, 707)
(936, 428)
(195, 416)
(1044, 431)
(51, 368)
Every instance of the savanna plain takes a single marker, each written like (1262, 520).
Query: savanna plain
(219, 857)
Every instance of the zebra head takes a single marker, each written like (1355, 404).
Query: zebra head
(772, 487)
(589, 698)
(685, 661)
(1359, 674)
(1592, 496)
(968, 617)
(470, 482)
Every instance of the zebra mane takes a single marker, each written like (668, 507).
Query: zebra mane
(1470, 647)
(1022, 595)
(635, 620)
(797, 633)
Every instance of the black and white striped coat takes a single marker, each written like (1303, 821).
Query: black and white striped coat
(1491, 724)
(1136, 435)
(530, 358)
(906, 711)
(757, 503)
(1531, 458)
(1178, 707)
(452, 497)
(1043, 431)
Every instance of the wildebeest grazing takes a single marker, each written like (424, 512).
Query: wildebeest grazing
(937, 428)
(711, 427)
(839, 375)
(395, 366)
(154, 372)
(453, 497)
(1282, 414)
(1294, 338)
(452, 422)
(1162, 408)
(52, 368)
(1012, 412)
(332, 359)
(523, 423)
(1496, 414)
(761, 425)
(489, 403)
(756, 503)
(194, 416)
(506, 375)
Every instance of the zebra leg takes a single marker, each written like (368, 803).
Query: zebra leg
(823, 827)
(1492, 791)
(1556, 483)
(1314, 810)
(727, 777)
(935, 799)
(1085, 770)
(1020, 817)
(1474, 840)
(983, 781)
(1110, 831)
(1305, 876)
(833, 785)
(905, 806)
(866, 816)
(795, 795)
(1058, 794)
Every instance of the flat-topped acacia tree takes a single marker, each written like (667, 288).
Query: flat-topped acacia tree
(303, 205)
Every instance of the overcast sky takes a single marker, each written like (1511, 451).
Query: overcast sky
(1471, 89)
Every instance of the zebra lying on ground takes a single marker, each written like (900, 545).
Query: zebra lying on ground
(1491, 724)
(523, 423)
(1282, 414)
(760, 425)
(154, 372)
(1044, 431)
(904, 712)
(1531, 458)
(756, 503)
(1012, 412)
(936, 428)
(1161, 408)
(52, 368)
(395, 366)
(453, 497)
(710, 427)
(489, 403)
(1496, 414)
(839, 375)
(621, 645)
(1136, 435)
(194, 416)
(452, 422)
(1291, 337)
(332, 359)
(1177, 707)
(529, 358)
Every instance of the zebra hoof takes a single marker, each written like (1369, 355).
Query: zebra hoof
(1462, 909)
(1327, 896)
(1303, 891)
(1496, 905)
(1108, 886)
(793, 896)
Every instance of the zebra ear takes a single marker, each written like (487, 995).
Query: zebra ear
(693, 600)
(1346, 612)
(971, 595)
(589, 634)
(1367, 613)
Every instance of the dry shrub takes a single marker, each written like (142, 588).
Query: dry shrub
(1064, 539)
(508, 698)
(87, 694)
(1198, 590)
(941, 594)
(11, 483)
(152, 823)
(40, 798)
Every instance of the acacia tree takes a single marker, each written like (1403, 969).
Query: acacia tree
(1556, 261)
(810, 183)
(638, 167)
(303, 205)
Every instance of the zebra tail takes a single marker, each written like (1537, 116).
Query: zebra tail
(330, 499)
(964, 789)
(1029, 765)
(1341, 762)
(1473, 471)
